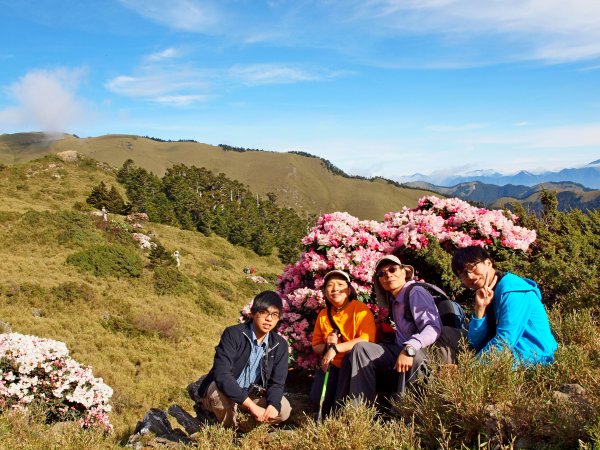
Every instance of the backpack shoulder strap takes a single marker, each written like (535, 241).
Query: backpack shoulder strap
(429, 288)
(333, 324)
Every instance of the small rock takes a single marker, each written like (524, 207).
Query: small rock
(68, 156)
(155, 421)
(37, 312)
(189, 423)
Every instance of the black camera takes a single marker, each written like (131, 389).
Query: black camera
(256, 391)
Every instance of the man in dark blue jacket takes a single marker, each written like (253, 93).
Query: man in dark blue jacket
(250, 368)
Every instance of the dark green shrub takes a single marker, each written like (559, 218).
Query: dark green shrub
(118, 324)
(159, 256)
(76, 229)
(107, 260)
(117, 232)
(24, 291)
(71, 291)
(169, 280)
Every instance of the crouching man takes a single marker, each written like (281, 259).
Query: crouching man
(250, 368)
(414, 333)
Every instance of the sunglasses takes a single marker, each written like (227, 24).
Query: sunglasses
(393, 269)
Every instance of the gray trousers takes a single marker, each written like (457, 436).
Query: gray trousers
(357, 379)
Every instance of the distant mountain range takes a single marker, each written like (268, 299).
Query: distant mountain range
(588, 176)
(570, 195)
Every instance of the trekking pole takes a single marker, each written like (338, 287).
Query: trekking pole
(401, 384)
(322, 399)
(325, 380)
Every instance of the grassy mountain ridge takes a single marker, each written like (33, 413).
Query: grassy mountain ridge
(300, 182)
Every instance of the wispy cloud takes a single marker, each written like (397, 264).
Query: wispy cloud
(182, 84)
(184, 15)
(549, 30)
(182, 100)
(155, 85)
(456, 128)
(165, 54)
(260, 74)
(45, 100)
(459, 33)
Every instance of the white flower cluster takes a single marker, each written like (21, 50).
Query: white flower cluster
(36, 370)
(144, 241)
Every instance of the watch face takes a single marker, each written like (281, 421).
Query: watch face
(410, 351)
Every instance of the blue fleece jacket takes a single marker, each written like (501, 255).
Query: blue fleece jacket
(521, 322)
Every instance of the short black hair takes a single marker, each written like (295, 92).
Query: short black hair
(468, 255)
(265, 300)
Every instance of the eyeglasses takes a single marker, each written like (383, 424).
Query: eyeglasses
(382, 273)
(265, 314)
(468, 270)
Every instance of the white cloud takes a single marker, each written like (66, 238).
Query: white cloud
(152, 83)
(259, 74)
(185, 15)
(182, 100)
(456, 128)
(45, 100)
(167, 53)
(549, 30)
(184, 85)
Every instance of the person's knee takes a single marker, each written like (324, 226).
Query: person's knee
(359, 349)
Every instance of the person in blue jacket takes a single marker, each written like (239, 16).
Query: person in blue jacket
(508, 310)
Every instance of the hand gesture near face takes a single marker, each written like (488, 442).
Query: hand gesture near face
(484, 295)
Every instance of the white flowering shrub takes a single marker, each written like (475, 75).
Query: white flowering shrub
(36, 371)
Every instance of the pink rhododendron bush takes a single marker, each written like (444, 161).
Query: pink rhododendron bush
(40, 372)
(341, 241)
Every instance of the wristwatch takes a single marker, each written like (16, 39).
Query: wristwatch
(410, 351)
(335, 349)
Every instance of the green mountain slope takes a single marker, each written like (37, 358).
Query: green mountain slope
(300, 182)
(146, 346)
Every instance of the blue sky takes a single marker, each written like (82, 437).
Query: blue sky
(378, 87)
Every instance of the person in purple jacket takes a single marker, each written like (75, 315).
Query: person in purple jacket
(407, 354)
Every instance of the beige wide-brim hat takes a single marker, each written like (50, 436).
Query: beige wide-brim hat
(381, 294)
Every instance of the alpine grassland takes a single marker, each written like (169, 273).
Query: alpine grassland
(303, 183)
(148, 327)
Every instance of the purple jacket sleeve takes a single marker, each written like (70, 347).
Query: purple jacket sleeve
(426, 317)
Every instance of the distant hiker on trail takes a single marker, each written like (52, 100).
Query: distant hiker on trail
(508, 310)
(176, 256)
(104, 213)
(338, 328)
(250, 368)
(407, 354)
